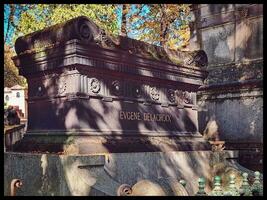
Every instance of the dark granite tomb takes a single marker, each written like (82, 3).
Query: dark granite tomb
(91, 92)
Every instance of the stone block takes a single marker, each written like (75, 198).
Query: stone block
(249, 37)
(213, 9)
(218, 43)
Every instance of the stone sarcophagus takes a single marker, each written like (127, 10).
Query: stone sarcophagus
(91, 92)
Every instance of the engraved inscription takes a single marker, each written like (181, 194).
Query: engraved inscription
(125, 115)
(130, 115)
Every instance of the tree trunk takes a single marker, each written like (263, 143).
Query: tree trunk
(163, 26)
(125, 8)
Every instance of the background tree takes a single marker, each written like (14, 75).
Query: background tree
(12, 13)
(21, 19)
(125, 10)
(24, 18)
(11, 76)
(166, 25)
(159, 24)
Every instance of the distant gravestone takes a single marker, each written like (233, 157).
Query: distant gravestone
(92, 92)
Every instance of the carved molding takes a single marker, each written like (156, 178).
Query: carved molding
(134, 92)
(173, 73)
(62, 85)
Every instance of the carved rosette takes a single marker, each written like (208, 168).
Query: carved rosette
(136, 90)
(94, 85)
(184, 97)
(187, 97)
(116, 88)
(62, 85)
(39, 91)
(85, 31)
(154, 93)
(171, 95)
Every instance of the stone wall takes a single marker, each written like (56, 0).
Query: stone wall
(231, 103)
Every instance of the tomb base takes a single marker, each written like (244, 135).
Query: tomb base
(103, 174)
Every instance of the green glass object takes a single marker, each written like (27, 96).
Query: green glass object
(182, 182)
(257, 187)
(217, 190)
(245, 189)
(201, 187)
(232, 190)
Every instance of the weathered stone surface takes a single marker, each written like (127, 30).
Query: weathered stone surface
(234, 71)
(238, 116)
(77, 175)
(217, 14)
(227, 108)
(219, 43)
(212, 9)
(87, 83)
(83, 29)
(240, 26)
(249, 39)
(103, 174)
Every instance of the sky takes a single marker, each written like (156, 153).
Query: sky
(6, 14)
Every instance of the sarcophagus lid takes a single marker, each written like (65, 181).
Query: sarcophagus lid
(80, 28)
(108, 93)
